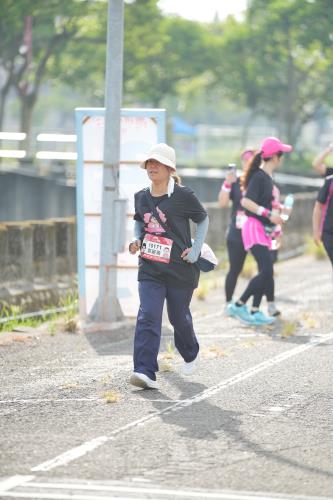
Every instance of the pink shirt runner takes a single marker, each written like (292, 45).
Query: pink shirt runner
(253, 233)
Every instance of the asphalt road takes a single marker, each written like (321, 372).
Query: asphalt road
(254, 422)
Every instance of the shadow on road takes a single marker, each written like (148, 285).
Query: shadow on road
(205, 421)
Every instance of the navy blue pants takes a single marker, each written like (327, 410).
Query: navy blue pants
(149, 323)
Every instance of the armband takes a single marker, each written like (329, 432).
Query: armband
(264, 212)
(226, 186)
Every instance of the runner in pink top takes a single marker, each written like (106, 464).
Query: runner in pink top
(257, 231)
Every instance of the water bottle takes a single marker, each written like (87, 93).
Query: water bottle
(288, 203)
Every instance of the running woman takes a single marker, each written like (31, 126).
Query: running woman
(322, 218)
(258, 227)
(231, 191)
(166, 273)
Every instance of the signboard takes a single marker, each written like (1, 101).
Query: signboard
(140, 129)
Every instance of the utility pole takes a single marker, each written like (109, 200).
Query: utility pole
(108, 308)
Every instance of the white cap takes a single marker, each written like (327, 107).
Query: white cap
(163, 153)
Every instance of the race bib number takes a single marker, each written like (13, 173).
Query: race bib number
(240, 219)
(156, 248)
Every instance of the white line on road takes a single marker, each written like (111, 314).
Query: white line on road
(61, 496)
(203, 336)
(13, 482)
(137, 490)
(74, 453)
(196, 493)
(47, 400)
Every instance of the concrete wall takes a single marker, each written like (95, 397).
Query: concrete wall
(38, 258)
(37, 261)
(28, 197)
(295, 231)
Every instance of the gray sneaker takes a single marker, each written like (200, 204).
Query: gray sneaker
(143, 381)
(272, 310)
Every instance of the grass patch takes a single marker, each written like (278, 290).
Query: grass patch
(202, 291)
(249, 268)
(316, 251)
(170, 352)
(105, 380)
(11, 318)
(166, 358)
(216, 351)
(111, 397)
(164, 366)
(308, 320)
(288, 329)
(14, 317)
(207, 282)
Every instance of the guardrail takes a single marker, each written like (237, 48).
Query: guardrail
(39, 154)
(70, 156)
(216, 173)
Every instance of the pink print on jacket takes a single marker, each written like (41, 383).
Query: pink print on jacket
(151, 224)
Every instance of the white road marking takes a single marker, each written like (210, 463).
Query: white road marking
(74, 453)
(203, 336)
(203, 317)
(62, 496)
(137, 490)
(47, 400)
(13, 482)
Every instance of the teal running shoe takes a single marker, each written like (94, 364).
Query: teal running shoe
(259, 318)
(240, 312)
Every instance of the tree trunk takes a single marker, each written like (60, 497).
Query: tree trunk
(27, 106)
(3, 98)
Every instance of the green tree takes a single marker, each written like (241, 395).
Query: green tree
(48, 26)
(161, 52)
(277, 62)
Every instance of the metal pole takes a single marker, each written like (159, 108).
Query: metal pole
(108, 308)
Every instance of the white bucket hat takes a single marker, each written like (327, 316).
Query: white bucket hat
(163, 153)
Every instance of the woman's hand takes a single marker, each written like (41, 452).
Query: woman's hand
(184, 254)
(190, 255)
(134, 246)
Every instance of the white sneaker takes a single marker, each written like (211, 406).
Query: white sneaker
(143, 381)
(191, 367)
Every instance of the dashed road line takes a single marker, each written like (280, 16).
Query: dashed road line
(77, 452)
